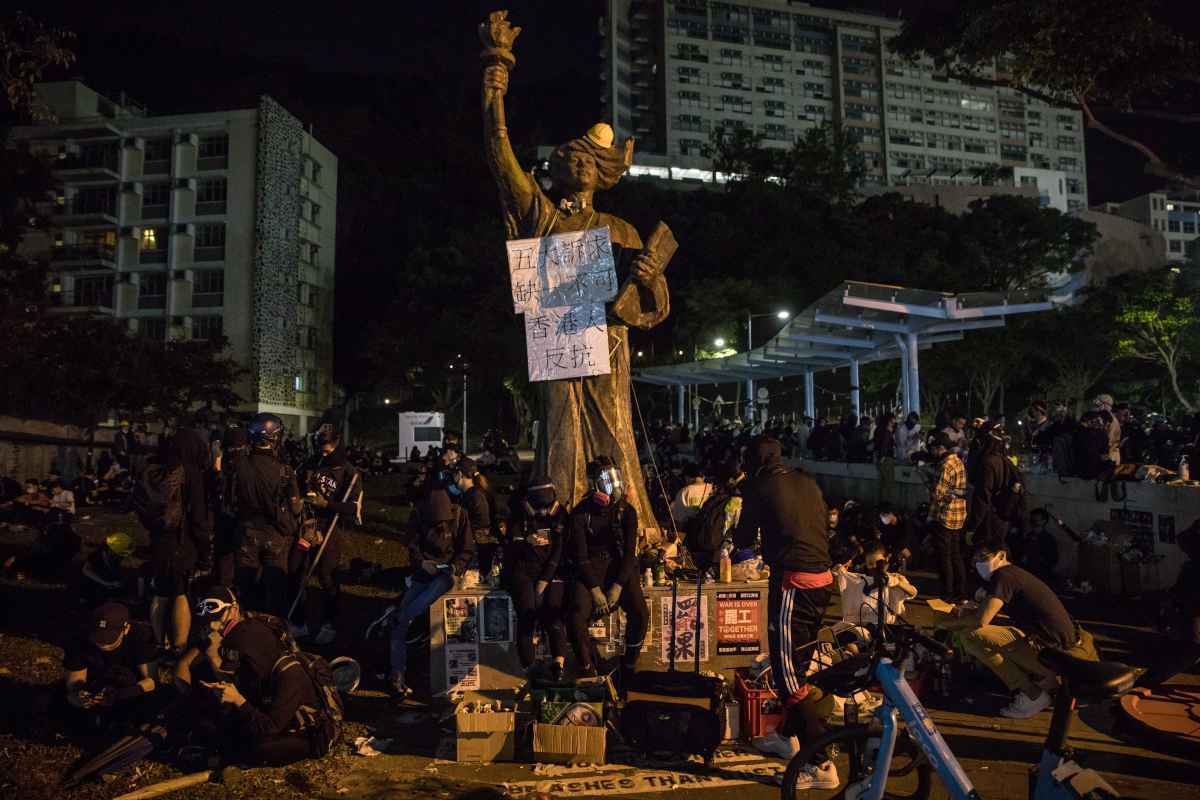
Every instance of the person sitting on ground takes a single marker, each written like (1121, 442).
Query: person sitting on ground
(63, 498)
(1038, 620)
(103, 576)
(1039, 548)
(860, 592)
(55, 549)
(31, 506)
(692, 496)
(110, 670)
(895, 533)
(271, 710)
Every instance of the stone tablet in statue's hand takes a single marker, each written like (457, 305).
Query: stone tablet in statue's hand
(497, 36)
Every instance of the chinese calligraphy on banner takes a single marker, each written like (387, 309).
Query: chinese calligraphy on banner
(561, 283)
(685, 629)
(737, 623)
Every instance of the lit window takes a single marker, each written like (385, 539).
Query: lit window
(299, 383)
(149, 239)
(1170, 206)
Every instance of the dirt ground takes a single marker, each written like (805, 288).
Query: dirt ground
(34, 753)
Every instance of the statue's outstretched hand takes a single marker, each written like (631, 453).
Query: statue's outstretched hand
(497, 34)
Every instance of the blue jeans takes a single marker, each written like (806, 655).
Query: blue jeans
(417, 599)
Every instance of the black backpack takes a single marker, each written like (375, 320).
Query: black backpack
(288, 518)
(705, 531)
(157, 498)
(278, 627)
(323, 724)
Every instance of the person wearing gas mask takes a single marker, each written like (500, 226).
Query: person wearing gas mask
(268, 509)
(537, 527)
(332, 490)
(439, 549)
(469, 489)
(602, 548)
(253, 702)
(1038, 618)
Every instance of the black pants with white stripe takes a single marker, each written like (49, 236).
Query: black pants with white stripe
(794, 617)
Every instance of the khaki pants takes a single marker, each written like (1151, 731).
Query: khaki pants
(1009, 654)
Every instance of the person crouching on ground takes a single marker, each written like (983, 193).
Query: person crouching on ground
(110, 670)
(787, 507)
(440, 547)
(1038, 619)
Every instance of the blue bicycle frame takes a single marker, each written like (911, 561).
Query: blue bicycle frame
(899, 698)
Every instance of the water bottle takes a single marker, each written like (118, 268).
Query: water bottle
(648, 579)
(1184, 472)
(726, 567)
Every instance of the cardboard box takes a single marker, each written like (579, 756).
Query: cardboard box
(569, 744)
(483, 738)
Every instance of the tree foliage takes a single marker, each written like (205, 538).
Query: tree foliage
(28, 48)
(1158, 321)
(1090, 55)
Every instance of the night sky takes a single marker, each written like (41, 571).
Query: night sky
(383, 84)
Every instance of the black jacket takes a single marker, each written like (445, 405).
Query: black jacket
(189, 448)
(447, 542)
(599, 536)
(260, 485)
(524, 555)
(329, 474)
(275, 690)
(788, 507)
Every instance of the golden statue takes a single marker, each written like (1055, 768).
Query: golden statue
(582, 417)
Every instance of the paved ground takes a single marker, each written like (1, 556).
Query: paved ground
(995, 752)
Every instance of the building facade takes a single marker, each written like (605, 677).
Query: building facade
(676, 69)
(196, 226)
(1174, 215)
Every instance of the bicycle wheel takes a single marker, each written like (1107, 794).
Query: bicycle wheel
(909, 775)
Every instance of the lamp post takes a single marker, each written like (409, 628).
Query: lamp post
(781, 315)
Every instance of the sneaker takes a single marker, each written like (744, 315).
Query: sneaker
(776, 745)
(298, 631)
(1022, 707)
(326, 635)
(818, 776)
(396, 688)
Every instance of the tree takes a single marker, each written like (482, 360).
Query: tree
(1075, 347)
(1012, 243)
(1158, 321)
(1094, 56)
(28, 48)
(826, 162)
(738, 153)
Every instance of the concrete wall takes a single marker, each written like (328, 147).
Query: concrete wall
(1074, 501)
(28, 447)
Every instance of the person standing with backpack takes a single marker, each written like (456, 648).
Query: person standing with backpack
(997, 498)
(786, 507)
(268, 510)
(333, 490)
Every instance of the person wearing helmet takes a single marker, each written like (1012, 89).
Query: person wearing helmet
(440, 548)
(602, 548)
(268, 510)
(327, 478)
(103, 576)
(537, 527)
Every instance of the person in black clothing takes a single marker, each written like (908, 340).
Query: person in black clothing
(266, 703)
(896, 534)
(993, 500)
(175, 555)
(785, 506)
(602, 550)
(440, 547)
(268, 505)
(110, 670)
(537, 527)
(469, 488)
(1037, 549)
(328, 477)
(226, 531)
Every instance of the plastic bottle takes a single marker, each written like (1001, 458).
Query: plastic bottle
(1185, 473)
(726, 567)
(648, 578)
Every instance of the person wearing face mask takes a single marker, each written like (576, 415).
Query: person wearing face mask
(1037, 620)
(602, 549)
(440, 548)
(537, 527)
(895, 534)
(469, 489)
(110, 670)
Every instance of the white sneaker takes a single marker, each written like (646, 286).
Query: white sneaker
(776, 745)
(1022, 707)
(326, 635)
(298, 631)
(818, 776)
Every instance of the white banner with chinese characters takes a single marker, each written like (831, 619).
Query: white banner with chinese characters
(561, 283)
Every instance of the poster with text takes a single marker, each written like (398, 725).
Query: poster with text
(462, 666)
(568, 342)
(565, 269)
(461, 619)
(497, 618)
(686, 621)
(737, 623)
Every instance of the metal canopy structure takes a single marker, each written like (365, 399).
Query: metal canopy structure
(856, 324)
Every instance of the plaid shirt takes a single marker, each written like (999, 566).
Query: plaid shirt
(948, 504)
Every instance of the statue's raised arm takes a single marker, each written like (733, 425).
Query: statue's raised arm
(518, 192)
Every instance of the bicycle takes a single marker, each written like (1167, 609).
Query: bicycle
(880, 759)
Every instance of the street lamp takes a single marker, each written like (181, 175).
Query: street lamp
(719, 343)
(780, 315)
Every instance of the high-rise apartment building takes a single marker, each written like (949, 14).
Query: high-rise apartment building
(1176, 215)
(677, 69)
(194, 226)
